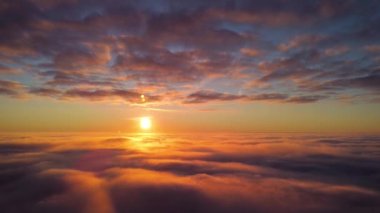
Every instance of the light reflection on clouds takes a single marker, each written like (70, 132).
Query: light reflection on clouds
(189, 173)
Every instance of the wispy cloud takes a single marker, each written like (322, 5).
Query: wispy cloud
(67, 46)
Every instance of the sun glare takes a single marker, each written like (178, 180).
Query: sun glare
(145, 123)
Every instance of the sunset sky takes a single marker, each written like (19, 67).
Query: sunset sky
(236, 66)
(189, 106)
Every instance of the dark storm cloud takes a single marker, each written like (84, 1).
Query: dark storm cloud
(77, 79)
(269, 96)
(205, 96)
(306, 99)
(45, 91)
(96, 94)
(129, 96)
(370, 82)
(171, 173)
(177, 45)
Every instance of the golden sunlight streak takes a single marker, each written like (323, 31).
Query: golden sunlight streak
(145, 123)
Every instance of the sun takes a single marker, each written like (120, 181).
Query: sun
(145, 123)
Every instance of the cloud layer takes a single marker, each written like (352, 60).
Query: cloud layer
(185, 173)
(304, 51)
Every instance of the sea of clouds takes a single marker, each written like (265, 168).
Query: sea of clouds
(189, 173)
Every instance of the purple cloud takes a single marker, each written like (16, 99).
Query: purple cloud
(282, 46)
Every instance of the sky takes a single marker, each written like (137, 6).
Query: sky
(244, 66)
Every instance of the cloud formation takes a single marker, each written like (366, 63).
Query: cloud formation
(10, 88)
(98, 49)
(204, 96)
(175, 173)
